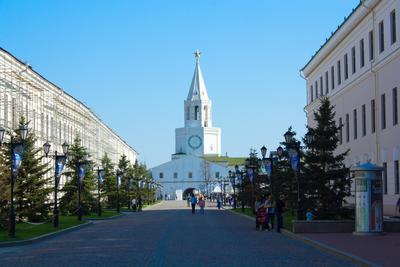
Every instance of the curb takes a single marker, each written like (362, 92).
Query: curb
(318, 245)
(105, 219)
(44, 237)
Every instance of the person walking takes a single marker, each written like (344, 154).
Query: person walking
(134, 204)
(270, 205)
(261, 213)
(219, 201)
(194, 202)
(279, 210)
(201, 204)
(188, 199)
(139, 203)
(398, 206)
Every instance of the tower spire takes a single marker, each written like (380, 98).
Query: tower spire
(198, 90)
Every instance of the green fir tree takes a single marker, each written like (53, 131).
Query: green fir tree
(327, 180)
(69, 200)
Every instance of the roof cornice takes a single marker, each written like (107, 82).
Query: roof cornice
(355, 17)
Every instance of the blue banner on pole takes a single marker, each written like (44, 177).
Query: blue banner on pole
(250, 172)
(60, 164)
(294, 159)
(17, 153)
(81, 171)
(101, 175)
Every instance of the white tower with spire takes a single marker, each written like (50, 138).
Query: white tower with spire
(198, 137)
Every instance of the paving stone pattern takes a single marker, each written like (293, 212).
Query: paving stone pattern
(167, 234)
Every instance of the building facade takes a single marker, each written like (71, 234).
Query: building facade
(197, 146)
(53, 114)
(358, 69)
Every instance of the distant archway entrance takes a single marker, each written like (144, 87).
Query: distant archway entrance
(189, 191)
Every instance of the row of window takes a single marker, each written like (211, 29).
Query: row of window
(321, 87)
(190, 175)
(372, 109)
(396, 176)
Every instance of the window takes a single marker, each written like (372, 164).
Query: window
(383, 111)
(196, 113)
(339, 74)
(217, 175)
(371, 45)
(373, 110)
(395, 106)
(396, 177)
(312, 93)
(332, 77)
(355, 124)
(381, 37)
(353, 60)
(340, 131)
(326, 83)
(362, 61)
(363, 121)
(347, 128)
(190, 175)
(175, 175)
(161, 175)
(393, 26)
(346, 67)
(385, 191)
(321, 86)
(316, 89)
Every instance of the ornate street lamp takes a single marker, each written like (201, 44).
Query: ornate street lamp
(17, 150)
(59, 164)
(239, 174)
(309, 138)
(232, 177)
(268, 163)
(294, 157)
(81, 177)
(279, 151)
(100, 178)
(119, 182)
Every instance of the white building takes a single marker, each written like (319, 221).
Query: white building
(196, 164)
(358, 69)
(54, 115)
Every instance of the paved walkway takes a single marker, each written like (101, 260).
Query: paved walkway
(167, 234)
(381, 249)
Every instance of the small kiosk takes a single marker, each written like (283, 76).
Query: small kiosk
(369, 199)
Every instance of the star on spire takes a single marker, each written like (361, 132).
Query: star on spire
(197, 55)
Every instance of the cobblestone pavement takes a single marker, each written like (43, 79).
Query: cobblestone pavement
(167, 234)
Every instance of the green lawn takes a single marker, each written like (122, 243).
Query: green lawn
(287, 217)
(27, 231)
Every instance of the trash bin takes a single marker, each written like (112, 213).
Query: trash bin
(369, 199)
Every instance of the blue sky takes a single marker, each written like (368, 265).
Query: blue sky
(132, 62)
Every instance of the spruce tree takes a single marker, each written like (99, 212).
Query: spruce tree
(33, 185)
(327, 182)
(5, 174)
(123, 166)
(69, 200)
(109, 188)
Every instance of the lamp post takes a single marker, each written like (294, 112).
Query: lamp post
(81, 176)
(129, 192)
(17, 150)
(239, 174)
(269, 166)
(59, 164)
(119, 181)
(294, 157)
(100, 178)
(232, 177)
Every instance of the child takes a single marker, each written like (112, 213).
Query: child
(201, 204)
(309, 215)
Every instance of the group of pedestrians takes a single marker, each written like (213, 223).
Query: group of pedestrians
(267, 209)
(137, 204)
(201, 203)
